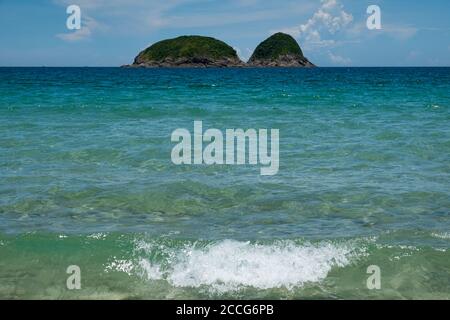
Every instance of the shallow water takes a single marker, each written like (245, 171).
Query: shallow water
(86, 178)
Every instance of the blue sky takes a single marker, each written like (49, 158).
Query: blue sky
(330, 32)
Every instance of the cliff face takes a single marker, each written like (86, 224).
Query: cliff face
(279, 50)
(188, 51)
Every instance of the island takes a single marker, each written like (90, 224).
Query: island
(279, 50)
(188, 51)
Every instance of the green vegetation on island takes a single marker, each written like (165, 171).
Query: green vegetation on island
(189, 51)
(275, 46)
(279, 50)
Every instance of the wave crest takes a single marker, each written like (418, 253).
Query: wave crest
(231, 265)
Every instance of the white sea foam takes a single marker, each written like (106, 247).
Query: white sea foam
(151, 271)
(121, 265)
(443, 235)
(97, 236)
(231, 265)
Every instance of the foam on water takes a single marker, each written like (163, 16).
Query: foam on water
(231, 265)
(441, 235)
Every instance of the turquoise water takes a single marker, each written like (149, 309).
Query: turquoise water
(86, 178)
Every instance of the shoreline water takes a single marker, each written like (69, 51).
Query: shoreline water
(121, 266)
(87, 180)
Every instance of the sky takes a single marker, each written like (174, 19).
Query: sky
(330, 32)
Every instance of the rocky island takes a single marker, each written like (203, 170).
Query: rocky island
(279, 50)
(188, 51)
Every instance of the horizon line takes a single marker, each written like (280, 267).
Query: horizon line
(317, 67)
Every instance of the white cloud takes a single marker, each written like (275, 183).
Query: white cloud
(146, 16)
(400, 32)
(339, 59)
(243, 12)
(329, 19)
(88, 25)
(81, 34)
(396, 31)
(121, 16)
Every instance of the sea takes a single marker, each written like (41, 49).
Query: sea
(359, 208)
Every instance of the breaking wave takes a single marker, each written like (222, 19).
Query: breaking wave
(231, 265)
